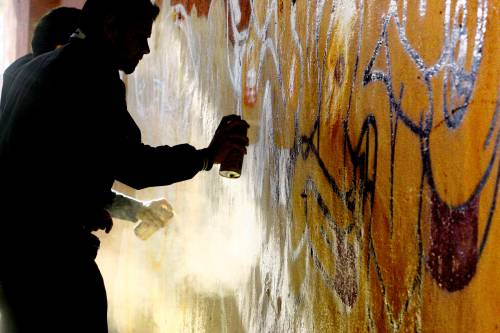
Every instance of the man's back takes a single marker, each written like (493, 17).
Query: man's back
(55, 134)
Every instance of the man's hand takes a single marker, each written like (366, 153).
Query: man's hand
(153, 217)
(230, 135)
(157, 211)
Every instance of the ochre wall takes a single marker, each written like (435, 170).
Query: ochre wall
(393, 124)
(396, 164)
(375, 134)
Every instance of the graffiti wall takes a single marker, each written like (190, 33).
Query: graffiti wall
(368, 200)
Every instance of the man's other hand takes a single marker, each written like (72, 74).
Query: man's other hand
(230, 135)
(159, 211)
(153, 217)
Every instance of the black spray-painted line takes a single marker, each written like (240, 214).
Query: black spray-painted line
(494, 123)
(492, 210)
(491, 213)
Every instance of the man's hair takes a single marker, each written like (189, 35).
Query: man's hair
(54, 29)
(95, 12)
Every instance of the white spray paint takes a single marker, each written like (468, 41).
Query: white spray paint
(422, 9)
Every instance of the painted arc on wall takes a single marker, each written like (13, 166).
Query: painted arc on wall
(369, 194)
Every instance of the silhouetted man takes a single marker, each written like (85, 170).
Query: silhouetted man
(66, 135)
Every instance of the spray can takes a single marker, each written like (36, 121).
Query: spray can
(232, 164)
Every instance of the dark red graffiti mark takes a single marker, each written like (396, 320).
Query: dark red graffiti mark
(203, 7)
(346, 275)
(453, 251)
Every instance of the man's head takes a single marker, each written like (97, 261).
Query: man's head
(54, 29)
(124, 26)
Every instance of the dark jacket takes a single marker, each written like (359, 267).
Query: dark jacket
(66, 135)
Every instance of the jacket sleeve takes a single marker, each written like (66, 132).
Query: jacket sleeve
(142, 166)
(123, 207)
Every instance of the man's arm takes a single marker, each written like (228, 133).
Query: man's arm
(145, 166)
(148, 166)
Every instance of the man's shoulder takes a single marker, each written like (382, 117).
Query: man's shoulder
(11, 71)
(10, 74)
(39, 68)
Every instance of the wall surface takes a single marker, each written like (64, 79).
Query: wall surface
(369, 195)
(14, 31)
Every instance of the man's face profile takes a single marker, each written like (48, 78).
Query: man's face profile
(130, 43)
